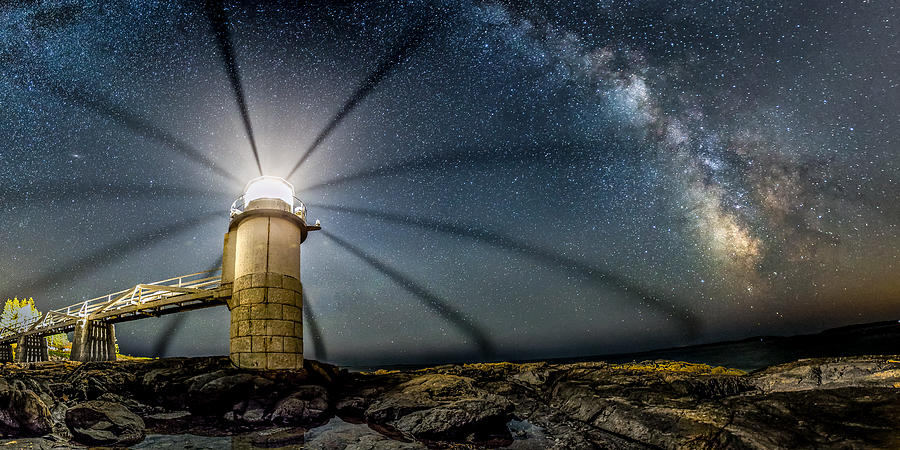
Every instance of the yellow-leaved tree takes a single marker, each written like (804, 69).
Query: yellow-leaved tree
(19, 314)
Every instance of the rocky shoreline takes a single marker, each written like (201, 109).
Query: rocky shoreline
(850, 402)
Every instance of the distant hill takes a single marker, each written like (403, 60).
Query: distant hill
(878, 338)
(748, 354)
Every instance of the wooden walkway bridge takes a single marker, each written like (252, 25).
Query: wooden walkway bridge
(92, 320)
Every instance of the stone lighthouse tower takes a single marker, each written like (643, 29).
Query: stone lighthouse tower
(261, 261)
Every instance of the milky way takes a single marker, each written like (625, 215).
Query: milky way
(566, 179)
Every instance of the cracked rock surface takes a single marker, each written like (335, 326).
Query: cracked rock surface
(849, 402)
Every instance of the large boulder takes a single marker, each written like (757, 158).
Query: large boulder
(90, 380)
(422, 392)
(218, 393)
(22, 412)
(307, 406)
(442, 407)
(474, 419)
(98, 422)
(169, 382)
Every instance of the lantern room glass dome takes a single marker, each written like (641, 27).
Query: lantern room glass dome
(269, 187)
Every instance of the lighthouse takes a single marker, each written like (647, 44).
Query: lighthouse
(261, 263)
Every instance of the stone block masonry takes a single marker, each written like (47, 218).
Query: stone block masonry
(266, 302)
(267, 321)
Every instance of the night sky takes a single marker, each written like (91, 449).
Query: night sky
(565, 179)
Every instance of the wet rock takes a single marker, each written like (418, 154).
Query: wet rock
(248, 412)
(463, 420)
(222, 393)
(171, 382)
(354, 406)
(442, 407)
(278, 438)
(818, 403)
(45, 443)
(338, 434)
(23, 413)
(174, 415)
(58, 418)
(133, 405)
(308, 406)
(99, 422)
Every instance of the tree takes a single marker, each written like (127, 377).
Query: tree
(59, 341)
(17, 314)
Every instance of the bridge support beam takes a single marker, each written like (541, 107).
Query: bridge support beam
(6, 353)
(94, 341)
(32, 348)
(267, 302)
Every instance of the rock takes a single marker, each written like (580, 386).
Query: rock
(442, 407)
(531, 377)
(817, 403)
(221, 394)
(340, 435)
(277, 438)
(99, 422)
(22, 413)
(353, 406)
(829, 373)
(174, 415)
(422, 392)
(169, 382)
(325, 373)
(133, 405)
(92, 379)
(671, 406)
(58, 416)
(45, 443)
(308, 407)
(248, 412)
(482, 419)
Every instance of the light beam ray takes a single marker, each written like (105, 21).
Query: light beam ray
(411, 39)
(467, 157)
(215, 11)
(140, 127)
(81, 265)
(161, 347)
(432, 301)
(40, 192)
(598, 276)
(309, 317)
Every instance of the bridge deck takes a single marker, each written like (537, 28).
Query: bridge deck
(184, 293)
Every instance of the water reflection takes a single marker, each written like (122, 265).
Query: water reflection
(336, 434)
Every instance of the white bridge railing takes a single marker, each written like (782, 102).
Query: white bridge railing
(13, 329)
(107, 305)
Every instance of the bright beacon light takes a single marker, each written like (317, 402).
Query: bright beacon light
(269, 187)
